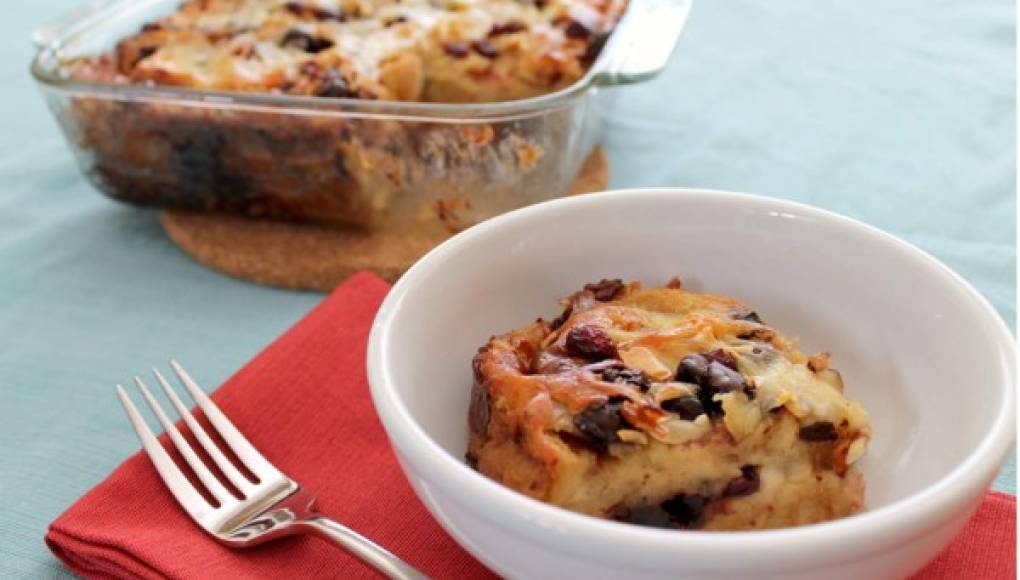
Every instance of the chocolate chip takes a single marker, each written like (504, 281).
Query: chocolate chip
(595, 46)
(510, 27)
(685, 509)
(305, 11)
(820, 431)
(713, 372)
(724, 379)
(145, 52)
(472, 460)
(605, 290)
(577, 30)
(457, 49)
(590, 342)
(680, 511)
(599, 424)
(485, 48)
(687, 407)
(334, 84)
(748, 315)
(394, 20)
(693, 368)
(648, 515)
(304, 41)
(627, 376)
(323, 14)
(478, 411)
(562, 318)
(747, 483)
(151, 26)
(759, 335)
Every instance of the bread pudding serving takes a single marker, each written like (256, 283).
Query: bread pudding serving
(327, 109)
(668, 408)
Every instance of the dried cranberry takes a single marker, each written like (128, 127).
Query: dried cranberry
(510, 27)
(304, 41)
(605, 290)
(485, 48)
(748, 482)
(478, 411)
(590, 342)
(685, 509)
(626, 375)
(577, 30)
(687, 407)
(820, 431)
(722, 357)
(311, 68)
(599, 424)
(457, 49)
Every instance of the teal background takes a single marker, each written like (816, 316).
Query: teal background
(900, 114)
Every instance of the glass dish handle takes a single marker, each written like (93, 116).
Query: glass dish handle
(642, 43)
(44, 34)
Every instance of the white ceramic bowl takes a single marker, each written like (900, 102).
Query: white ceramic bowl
(925, 353)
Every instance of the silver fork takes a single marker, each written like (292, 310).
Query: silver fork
(272, 507)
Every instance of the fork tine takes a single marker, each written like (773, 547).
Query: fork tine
(179, 486)
(244, 450)
(204, 475)
(240, 482)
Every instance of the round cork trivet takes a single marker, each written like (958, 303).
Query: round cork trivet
(311, 256)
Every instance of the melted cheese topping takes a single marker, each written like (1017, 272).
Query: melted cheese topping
(456, 50)
(653, 330)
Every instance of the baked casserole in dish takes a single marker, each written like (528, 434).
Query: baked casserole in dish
(424, 115)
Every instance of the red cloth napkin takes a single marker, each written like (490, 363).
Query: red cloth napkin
(304, 403)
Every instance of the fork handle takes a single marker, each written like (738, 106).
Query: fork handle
(366, 550)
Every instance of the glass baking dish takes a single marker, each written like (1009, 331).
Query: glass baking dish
(385, 165)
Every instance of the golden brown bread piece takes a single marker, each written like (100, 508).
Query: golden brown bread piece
(668, 408)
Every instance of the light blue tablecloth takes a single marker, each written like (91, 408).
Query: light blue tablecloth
(897, 113)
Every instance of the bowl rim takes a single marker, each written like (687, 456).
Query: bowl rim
(859, 533)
